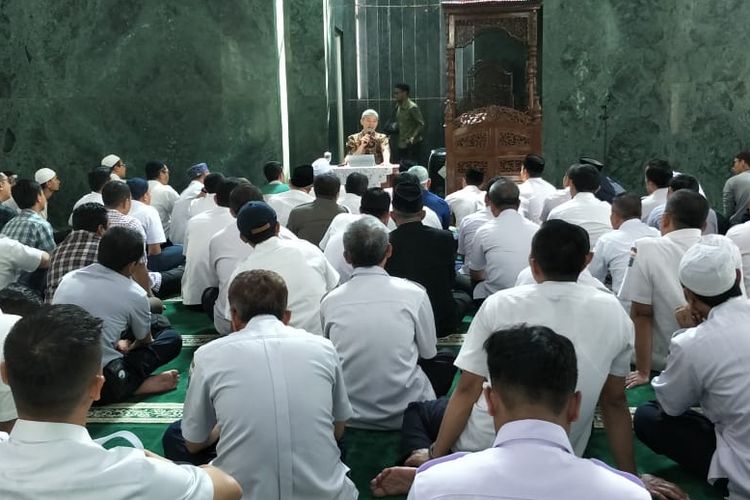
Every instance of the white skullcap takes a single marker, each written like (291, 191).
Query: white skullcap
(370, 112)
(110, 161)
(708, 267)
(44, 175)
(420, 172)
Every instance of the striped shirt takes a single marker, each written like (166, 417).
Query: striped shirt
(117, 219)
(78, 250)
(32, 230)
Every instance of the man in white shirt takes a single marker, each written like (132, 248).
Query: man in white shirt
(307, 273)
(558, 197)
(707, 364)
(740, 235)
(17, 258)
(180, 213)
(651, 283)
(470, 198)
(467, 231)
(584, 209)
(163, 196)
(299, 192)
(355, 186)
(533, 403)
(534, 189)
(501, 246)
(612, 251)
(283, 445)
(116, 166)
(97, 178)
(205, 200)
(198, 275)
(683, 181)
(658, 175)
(381, 327)
(50, 184)
(8, 413)
(49, 453)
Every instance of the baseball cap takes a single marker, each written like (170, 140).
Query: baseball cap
(255, 217)
(44, 175)
(197, 170)
(110, 161)
(708, 267)
(138, 187)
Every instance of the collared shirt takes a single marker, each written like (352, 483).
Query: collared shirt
(15, 258)
(465, 202)
(736, 198)
(525, 449)
(92, 197)
(534, 191)
(501, 249)
(333, 245)
(32, 230)
(712, 222)
(296, 386)
(163, 198)
(7, 405)
(284, 203)
(306, 272)
(79, 249)
(180, 212)
(274, 187)
(119, 302)
(588, 212)
(740, 235)
(612, 253)
(339, 224)
(553, 201)
(526, 277)
(439, 206)
(149, 219)
(198, 274)
(601, 332)
(652, 279)
(467, 231)
(118, 219)
(225, 250)
(201, 204)
(351, 201)
(708, 365)
(380, 327)
(310, 221)
(378, 144)
(61, 461)
(11, 203)
(650, 202)
(410, 123)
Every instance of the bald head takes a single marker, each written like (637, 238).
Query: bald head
(504, 195)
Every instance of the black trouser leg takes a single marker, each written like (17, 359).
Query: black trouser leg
(208, 299)
(175, 449)
(440, 370)
(421, 424)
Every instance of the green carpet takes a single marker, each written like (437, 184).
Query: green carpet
(368, 451)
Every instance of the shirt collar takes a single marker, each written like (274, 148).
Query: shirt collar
(684, 234)
(537, 430)
(720, 308)
(587, 197)
(660, 194)
(369, 271)
(631, 223)
(262, 323)
(29, 213)
(270, 244)
(507, 214)
(32, 431)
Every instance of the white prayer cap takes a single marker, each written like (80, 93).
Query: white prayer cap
(708, 267)
(110, 161)
(369, 112)
(44, 175)
(420, 172)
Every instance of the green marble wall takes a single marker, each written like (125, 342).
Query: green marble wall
(677, 72)
(182, 80)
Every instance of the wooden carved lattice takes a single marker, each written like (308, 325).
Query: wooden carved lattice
(464, 166)
(468, 29)
(510, 139)
(473, 141)
(492, 114)
(509, 167)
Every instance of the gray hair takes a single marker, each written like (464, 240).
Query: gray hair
(370, 112)
(366, 242)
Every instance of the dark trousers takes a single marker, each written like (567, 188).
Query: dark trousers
(449, 323)
(464, 283)
(440, 370)
(410, 153)
(421, 425)
(169, 258)
(175, 449)
(123, 376)
(171, 283)
(208, 300)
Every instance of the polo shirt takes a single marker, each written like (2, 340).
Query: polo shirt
(7, 405)
(310, 221)
(526, 277)
(601, 332)
(274, 187)
(284, 203)
(708, 365)
(501, 249)
(587, 211)
(736, 198)
(530, 460)
(381, 326)
(306, 272)
(295, 385)
(31, 229)
(351, 202)
(149, 219)
(467, 231)
(650, 202)
(201, 204)
(163, 198)
(712, 221)
(180, 212)
(534, 191)
(553, 201)
(61, 461)
(15, 258)
(439, 206)
(92, 197)
(740, 235)
(465, 202)
(119, 302)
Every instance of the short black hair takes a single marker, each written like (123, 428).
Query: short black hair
(534, 165)
(659, 172)
(25, 193)
(560, 249)
(532, 365)
(684, 181)
(51, 357)
(403, 86)
(212, 182)
(119, 247)
(19, 299)
(226, 187)
(327, 185)
(153, 169)
(504, 193)
(405, 177)
(272, 170)
(742, 156)
(375, 197)
(356, 183)
(474, 177)
(688, 209)
(718, 300)
(492, 181)
(242, 194)
(585, 178)
(89, 217)
(627, 206)
(97, 178)
(115, 193)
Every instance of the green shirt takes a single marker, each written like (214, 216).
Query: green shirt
(410, 123)
(274, 187)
